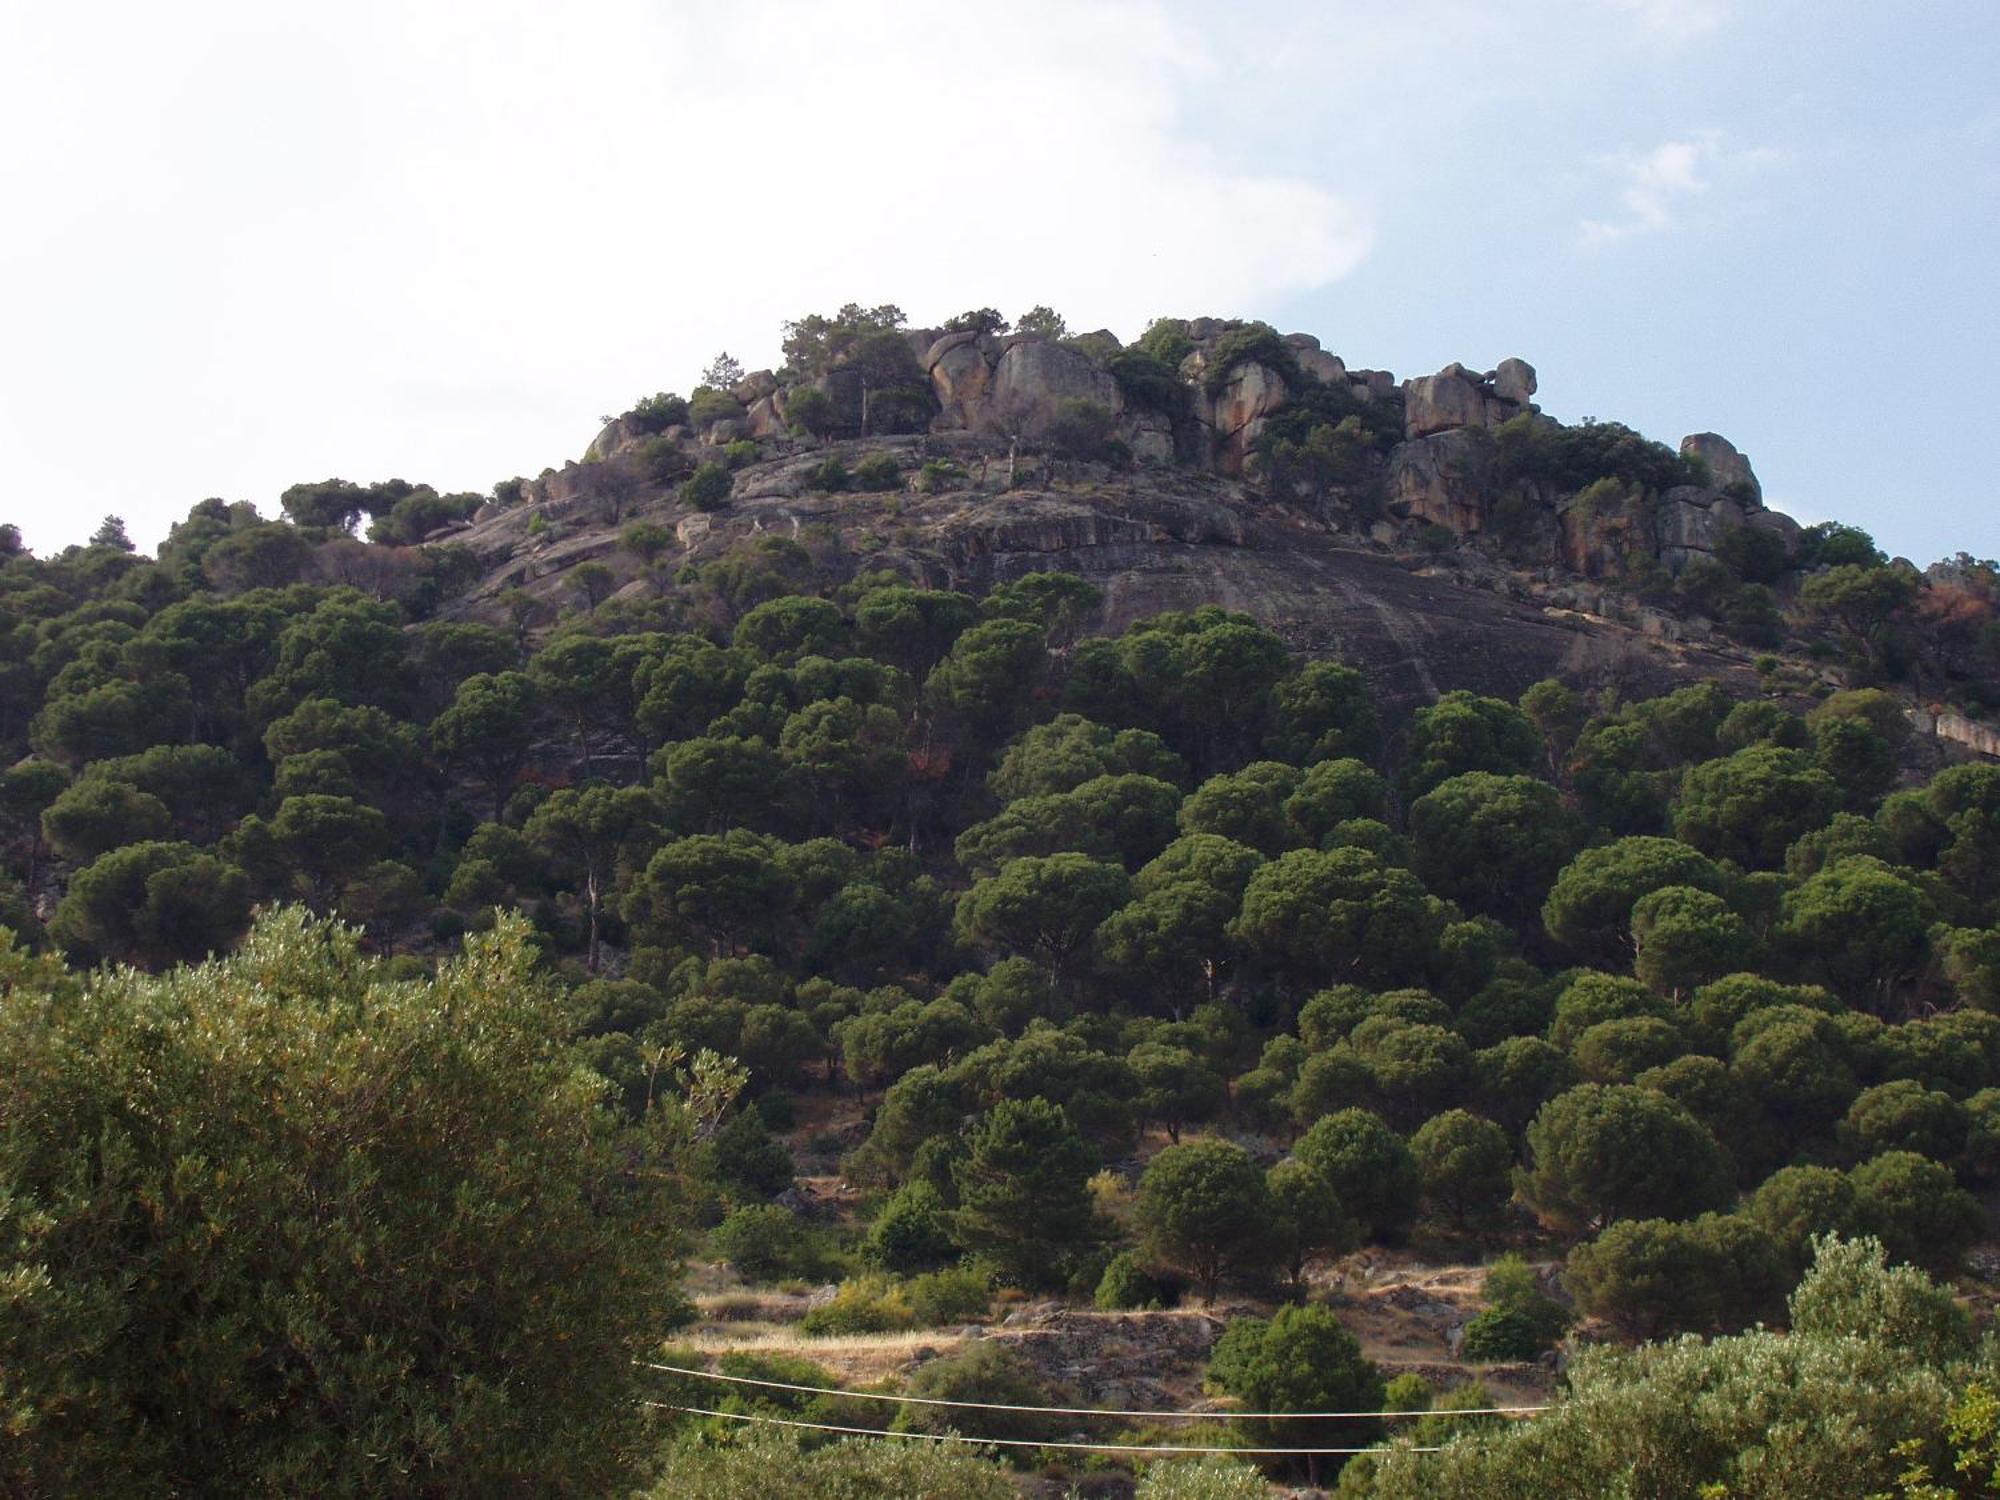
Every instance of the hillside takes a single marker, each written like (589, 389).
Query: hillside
(1003, 869)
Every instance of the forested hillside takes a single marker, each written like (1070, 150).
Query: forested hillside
(1060, 953)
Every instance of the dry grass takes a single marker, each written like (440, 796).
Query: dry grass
(856, 1359)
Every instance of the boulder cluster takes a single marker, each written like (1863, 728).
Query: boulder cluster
(1446, 470)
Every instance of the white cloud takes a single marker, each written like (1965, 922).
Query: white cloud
(1660, 183)
(1676, 21)
(423, 239)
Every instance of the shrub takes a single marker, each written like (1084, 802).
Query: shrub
(282, 1224)
(744, 1156)
(912, 1232)
(709, 488)
(662, 461)
(810, 410)
(939, 475)
(957, 1294)
(864, 1468)
(1126, 1284)
(1082, 429)
(830, 475)
(766, 1243)
(709, 406)
(737, 454)
(1511, 1284)
(866, 1304)
(1500, 1335)
(1202, 1479)
(878, 471)
(657, 413)
(982, 1371)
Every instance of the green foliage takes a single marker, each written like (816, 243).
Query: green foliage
(1654, 1276)
(309, 1162)
(1127, 1284)
(1301, 1359)
(1512, 1286)
(1370, 1169)
(956, 1294)
(1601, 1152)
(981, 1371)
(1464, 732)
(1023, 1203)
(1203, 1206)
(767, 1243)
(708, 488)
(1466, 1164)
(811, 411)
(878, 471)
(1569, 459)
(912, 1232)
(1499, 1335)
(850, 1469)
(1492, 843)
(1201, 1479)
(1760, 1415)
(865, 1304)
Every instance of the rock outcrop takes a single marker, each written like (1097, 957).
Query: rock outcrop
(1236, 414)
(1443, 479)
(1456, 397)
(1032, 379)
(1728, 468)
(1427, 455)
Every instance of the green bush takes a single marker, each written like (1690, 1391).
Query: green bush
(957, 1294)
(980, 1371)
(1499, 1335)
(709, 406)
(1202, 1479)
(830, 474)
(866, 1304)
(658, 412)
(758, 1467)
(810, 410)
(662, 461)
(709, 488)
(766, 1243)
(912, 1232)
(1127, 1284)
(737, 454)
(878, 471)
(939, 475)
(283, 1224)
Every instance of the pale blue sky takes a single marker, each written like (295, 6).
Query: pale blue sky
(250, 245)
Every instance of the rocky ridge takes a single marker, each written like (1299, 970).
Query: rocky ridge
(1427, 560)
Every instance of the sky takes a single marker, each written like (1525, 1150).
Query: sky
(250, 244)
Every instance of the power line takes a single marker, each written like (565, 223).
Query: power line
(1094, 1411)
(953, 1437)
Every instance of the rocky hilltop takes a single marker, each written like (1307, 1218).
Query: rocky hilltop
(1440, 531)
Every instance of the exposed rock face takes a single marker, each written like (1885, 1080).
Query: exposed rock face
(1690, 521)
(1440, 402)
(767, 416)
(961, 374)
(1443, 479)
(845, 390)
(1514, 380)
(1458, 397)
(1238, 411)
(753, 387)
(1600, 533)
(1443, 473)
(1725, 464)
(1034, 377)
